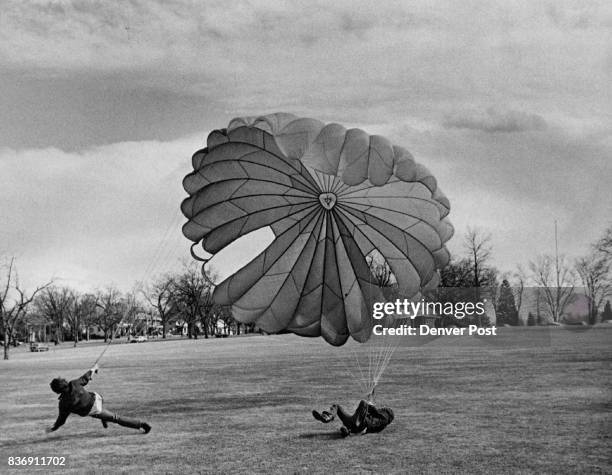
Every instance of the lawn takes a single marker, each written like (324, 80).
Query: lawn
(242, 405)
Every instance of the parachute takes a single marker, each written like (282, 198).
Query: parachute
(332, 197)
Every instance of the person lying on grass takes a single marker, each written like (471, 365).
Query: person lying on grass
(74, 399)
(367, 418)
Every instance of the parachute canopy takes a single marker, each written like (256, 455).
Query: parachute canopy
(331, 196)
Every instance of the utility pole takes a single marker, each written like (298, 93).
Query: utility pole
(556, 253)
(557, 292)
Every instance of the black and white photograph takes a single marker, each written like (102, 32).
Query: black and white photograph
(278, 237)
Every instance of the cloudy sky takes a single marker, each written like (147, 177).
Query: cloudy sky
(104, 102)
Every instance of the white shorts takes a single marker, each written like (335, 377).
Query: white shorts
(97, 406)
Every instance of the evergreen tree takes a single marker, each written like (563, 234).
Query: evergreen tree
(607, 312)
(531, 320)
(506, 311)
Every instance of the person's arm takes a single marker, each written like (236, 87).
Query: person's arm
(61, 419)
(83, 380)
(370, 395)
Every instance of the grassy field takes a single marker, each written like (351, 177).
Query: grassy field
(462, 405)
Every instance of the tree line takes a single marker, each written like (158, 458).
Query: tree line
(546, 288)
(59, 313)
(542, 291)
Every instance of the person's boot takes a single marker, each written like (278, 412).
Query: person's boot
(324, 417)
(128, 422)
(146, 427)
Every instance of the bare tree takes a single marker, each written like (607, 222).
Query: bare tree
(604, 245)
(595, 271)
(209, 314)
(383, 276)
(81, 310)
(73, 316)
(14, 303)
(161, 296)
(457, 274)
(110, 311)
(90, 314)
(593, 274)
(129, 308)
(36, 325)
(224, 312)
(557, 280)
(54, 304)
(193, 299)
(478, 246)
(473, 273)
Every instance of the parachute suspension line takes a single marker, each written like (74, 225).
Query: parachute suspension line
(384, 358)
(162, 247)
(355, 377)
(364, 372)
(369, 368)
(375, 359)
(370, 363)
(381, 365)
(103, 351)
(378, 358)
(166, 254)
(363, 380)
(368, 372)
(107, 345)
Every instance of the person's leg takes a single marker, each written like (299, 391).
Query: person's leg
(107, 416)
(104, 416)
(360, 415)
(346, 418)
(353, 422)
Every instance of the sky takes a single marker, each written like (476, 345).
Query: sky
(509, 104)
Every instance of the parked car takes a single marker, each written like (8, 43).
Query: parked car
(138, 339)
(37, 346)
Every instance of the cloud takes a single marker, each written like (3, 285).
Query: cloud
(494, 120)
(104, 215)
(458, 47)
(345, 61)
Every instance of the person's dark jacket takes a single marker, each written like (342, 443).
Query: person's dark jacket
(377, 419)
(75, 400)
